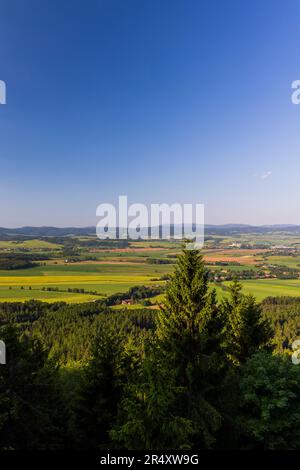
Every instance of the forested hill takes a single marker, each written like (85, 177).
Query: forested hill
(227, 229)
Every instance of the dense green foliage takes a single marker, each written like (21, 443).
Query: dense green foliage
(31, 410)
(11, 262)
(136, 293)
(269, 411)
(284, 316)
(245, 329)
(197, 374)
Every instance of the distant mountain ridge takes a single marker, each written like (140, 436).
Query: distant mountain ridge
(226, 229)
(47, 231)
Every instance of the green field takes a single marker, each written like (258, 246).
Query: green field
(104, 279)
(86, 269)
(108, 279)
(104, 271)
(232, 267)
(262, 288)
(18, 295)
(28, 245)
(289, 261)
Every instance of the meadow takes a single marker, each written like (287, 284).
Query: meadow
(289, 261)
(28, 245)
(77, 263)
(101, 279)
(262, 288)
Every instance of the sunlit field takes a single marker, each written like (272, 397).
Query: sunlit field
(21, 285)
(97, 272)
(262, 288)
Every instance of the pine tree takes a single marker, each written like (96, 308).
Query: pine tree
(31, 411)
(114, 354)
(169, 402)
(150, 411)
(245, 330)
(99, 394)
(188, 332)
(190, 321)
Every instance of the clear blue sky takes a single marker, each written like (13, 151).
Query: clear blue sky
(162, 100)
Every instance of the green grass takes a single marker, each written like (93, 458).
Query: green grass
(105, 279)
(19, 295)
(166, 244)
(104, 287)
(109, 283)
(232, 267)
(28, 245)
(122, 270)
(262, 288)
(289, 261)
(85, 269)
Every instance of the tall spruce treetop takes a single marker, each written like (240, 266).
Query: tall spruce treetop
(190, 309)
(187, 332)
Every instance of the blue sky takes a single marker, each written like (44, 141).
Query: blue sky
(162, 100)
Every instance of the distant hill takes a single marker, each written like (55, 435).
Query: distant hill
(47, 231)
(226, 229)
(231, 229)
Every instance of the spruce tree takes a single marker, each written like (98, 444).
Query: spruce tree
(190, 322)
(98, 398)
(169, 402)
(31, 411)
(114, 354)
(245, 331)
(150, 416)
(188, 332)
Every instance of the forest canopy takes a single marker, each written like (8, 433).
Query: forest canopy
(196, 374)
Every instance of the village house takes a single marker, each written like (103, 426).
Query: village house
(127, 302)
